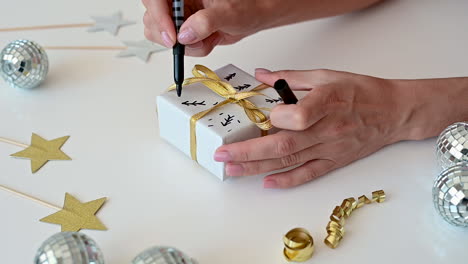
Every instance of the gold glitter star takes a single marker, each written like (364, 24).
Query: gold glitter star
(41, 151)
(76, 215)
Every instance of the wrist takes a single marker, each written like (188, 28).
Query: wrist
(426, 107)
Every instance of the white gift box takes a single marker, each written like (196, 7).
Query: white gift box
(224, 125)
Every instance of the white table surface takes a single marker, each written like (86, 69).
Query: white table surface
(157, 196)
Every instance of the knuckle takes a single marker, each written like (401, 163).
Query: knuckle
(322, 73)
(159, 20)
(252, 168)
(243, 156)
(310, 174)
(286, 181)
(340, 128)
(283, 74)
(301, 118)
(290, 160)
(334, 97)
(146, 19)
(148, 34)
(285, 146)
(203, 22)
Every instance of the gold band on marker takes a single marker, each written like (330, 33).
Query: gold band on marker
(298, 245)
(224, 89)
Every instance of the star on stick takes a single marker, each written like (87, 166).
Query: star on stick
(141, 49)
(76, 215)
(41, 151)
(111, 24)
(73, 216)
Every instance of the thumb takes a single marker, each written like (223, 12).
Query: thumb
(297, 80)
(308, 111)
(200, 26)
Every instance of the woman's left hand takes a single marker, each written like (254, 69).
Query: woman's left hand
(343, 118)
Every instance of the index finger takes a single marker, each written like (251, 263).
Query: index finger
(161, 12)
(273, 146)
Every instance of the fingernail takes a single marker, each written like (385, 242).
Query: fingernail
(222, 156)
(168, 42)
(187, 36)
(234, 170)
(270, 184)
(262, 70)
(196, 45)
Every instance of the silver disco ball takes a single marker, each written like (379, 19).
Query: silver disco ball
(450, 194)
(162, 255)
(23, 64)
(452, 145)
(69, 248)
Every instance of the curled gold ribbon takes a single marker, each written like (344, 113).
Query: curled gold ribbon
(378, 196)
(335, 228)
(212, 81)
(298, 245)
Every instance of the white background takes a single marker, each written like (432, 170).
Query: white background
(157, 196)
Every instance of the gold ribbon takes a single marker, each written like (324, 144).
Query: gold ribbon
(212, 81)
(298, 245)
(335, 228)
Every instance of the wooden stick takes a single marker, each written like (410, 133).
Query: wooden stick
(46, 27)
(2, 187)
(85, 47)
(8, 141)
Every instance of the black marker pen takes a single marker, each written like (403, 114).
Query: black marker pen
(285, 92)
(178, 50)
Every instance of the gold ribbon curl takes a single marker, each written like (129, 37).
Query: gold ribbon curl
(335, 228)
(298, 245)
(212, 81)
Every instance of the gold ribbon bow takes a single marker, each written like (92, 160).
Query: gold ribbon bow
(209, 78)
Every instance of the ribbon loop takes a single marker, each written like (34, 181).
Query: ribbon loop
(211, 80)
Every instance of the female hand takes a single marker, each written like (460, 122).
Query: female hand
(215, 22)
(208, 23)
(343, 118)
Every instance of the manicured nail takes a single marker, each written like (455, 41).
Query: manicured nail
(196, 45)
(270, 184)
(168, 42)
(187, 36)
(222, 156)
(262, 70)
(234, 170)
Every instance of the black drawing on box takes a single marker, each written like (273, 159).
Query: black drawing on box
(194, 103)
(229, 130)
(228, 120)
(215, 103)
(221, 113)
(272, 101)
(230, 76)
(242, 87)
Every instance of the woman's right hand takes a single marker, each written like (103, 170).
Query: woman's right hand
(222, 22)
(208, 22)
